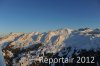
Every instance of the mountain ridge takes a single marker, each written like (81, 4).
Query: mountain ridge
(61, 43)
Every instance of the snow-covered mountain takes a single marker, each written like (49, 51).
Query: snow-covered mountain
(66, 43)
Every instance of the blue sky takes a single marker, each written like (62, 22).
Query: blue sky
(45, 15)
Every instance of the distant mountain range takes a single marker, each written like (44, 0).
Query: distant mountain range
(66, 43)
